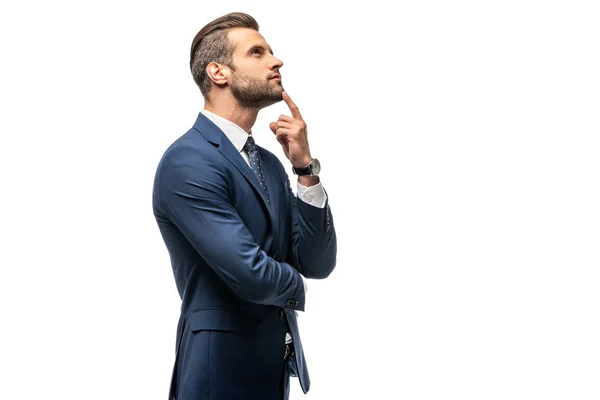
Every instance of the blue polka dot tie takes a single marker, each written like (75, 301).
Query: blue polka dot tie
(255, 163)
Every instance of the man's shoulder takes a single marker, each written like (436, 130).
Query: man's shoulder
(189, 155)
(189, 145)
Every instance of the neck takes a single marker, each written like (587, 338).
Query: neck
(232, 111)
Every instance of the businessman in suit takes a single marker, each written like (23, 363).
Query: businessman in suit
(241, 243)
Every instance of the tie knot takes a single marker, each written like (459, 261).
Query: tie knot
(250, 144)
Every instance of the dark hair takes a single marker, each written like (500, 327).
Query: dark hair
(212, 45)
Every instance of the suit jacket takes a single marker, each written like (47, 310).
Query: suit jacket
(236, 260)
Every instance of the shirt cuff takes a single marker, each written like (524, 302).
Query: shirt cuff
(313, 195)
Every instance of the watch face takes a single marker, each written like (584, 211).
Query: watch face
(316, 166)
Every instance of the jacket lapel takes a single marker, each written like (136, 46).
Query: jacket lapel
(214, 135)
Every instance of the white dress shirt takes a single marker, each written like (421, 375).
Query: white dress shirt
(313, 195)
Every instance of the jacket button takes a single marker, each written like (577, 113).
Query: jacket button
(281, 315)
(292, 303)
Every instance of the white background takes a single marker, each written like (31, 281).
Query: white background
(460, 150)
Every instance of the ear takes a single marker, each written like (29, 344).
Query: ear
(218, 73)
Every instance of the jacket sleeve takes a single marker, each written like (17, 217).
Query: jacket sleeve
(197, 202)
(314, 242)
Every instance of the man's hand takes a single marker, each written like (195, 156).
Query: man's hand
(291, 133)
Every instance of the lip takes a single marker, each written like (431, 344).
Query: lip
(277, 77)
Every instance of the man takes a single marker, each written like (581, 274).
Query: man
(240, 242)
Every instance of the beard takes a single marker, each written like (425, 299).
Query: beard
(252, 92)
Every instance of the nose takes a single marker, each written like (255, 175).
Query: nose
(276, 63)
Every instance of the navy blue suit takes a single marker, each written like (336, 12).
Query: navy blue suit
(237, 260)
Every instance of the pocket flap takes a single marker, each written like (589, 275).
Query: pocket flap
(215, 320)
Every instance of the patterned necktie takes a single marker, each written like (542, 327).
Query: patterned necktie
(255, 163)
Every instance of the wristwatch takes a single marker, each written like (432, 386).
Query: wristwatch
(311, 169)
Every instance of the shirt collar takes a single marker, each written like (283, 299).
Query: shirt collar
(234, 133)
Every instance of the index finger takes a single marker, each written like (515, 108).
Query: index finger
(293, 107)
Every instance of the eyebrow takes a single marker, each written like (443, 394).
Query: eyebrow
(261, 47)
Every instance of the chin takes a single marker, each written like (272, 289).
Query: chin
(277, 93)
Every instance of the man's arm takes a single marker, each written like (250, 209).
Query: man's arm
(198, 204)
(314, 242)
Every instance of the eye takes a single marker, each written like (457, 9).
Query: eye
(257, 51)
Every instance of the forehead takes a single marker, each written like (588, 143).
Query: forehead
(243, 39)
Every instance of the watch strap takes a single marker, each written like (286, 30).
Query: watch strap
(303, 170)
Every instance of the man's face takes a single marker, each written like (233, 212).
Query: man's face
(255, 80)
